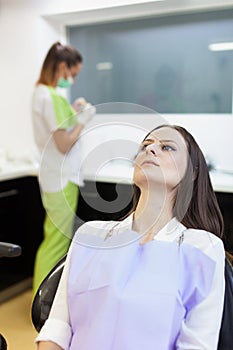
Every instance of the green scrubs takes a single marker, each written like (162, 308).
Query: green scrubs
(60, 207)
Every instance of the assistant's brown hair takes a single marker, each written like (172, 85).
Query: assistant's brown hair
(195, 204)
(58, 53)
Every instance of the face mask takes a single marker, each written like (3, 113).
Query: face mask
(65, 83)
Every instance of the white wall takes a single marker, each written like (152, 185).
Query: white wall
(29, 27)
(25, 38)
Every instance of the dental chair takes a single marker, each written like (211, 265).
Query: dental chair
(43, 299)
(226, 331)
(3, 345)
(8, 250)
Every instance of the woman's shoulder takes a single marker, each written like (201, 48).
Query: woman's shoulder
(41, 91)
(96, 227)
(93, 233)
(206, 241)
(41, 88)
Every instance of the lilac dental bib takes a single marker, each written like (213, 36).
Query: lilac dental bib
(135, 296)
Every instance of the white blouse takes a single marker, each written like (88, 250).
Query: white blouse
(200, 330)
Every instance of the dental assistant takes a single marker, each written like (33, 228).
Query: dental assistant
(56, 129)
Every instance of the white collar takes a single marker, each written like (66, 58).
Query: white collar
(169, 232)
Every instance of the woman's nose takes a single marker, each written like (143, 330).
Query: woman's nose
(153, 148)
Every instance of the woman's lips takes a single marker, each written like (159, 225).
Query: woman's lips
(149, 162)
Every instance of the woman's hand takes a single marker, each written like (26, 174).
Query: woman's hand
(87, 114)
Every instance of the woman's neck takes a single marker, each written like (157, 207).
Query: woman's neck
(153, 212)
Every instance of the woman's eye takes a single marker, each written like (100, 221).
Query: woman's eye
(143, 147)
(167, 148)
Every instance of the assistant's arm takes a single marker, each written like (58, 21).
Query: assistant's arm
(64, 139)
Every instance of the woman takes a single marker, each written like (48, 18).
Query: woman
(56, 130)
(156, 280)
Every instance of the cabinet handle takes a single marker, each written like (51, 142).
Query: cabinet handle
(9, 193)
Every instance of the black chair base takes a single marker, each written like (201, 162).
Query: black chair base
(3, 345)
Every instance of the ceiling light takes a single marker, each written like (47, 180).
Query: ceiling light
(226, 46)
(104, 66)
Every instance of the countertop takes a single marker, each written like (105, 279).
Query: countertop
(13, 170)
(113, 172)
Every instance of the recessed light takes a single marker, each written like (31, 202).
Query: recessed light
(104, 66)
(224, 46)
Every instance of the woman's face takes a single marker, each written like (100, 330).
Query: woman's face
(74, 70)
(161, 160)
(66, 72)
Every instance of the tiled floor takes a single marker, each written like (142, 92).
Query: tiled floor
(15, 322)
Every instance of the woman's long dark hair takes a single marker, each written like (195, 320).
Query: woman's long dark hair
(58, 53)
(195, 204)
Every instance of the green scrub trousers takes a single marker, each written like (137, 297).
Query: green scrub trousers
(60, 210)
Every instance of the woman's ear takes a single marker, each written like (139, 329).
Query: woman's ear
(61, 68)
